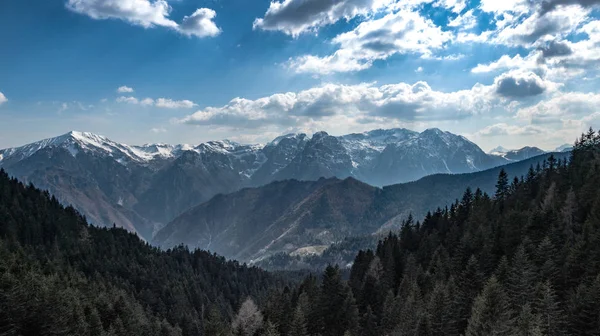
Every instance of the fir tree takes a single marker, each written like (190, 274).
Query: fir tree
(491, 312)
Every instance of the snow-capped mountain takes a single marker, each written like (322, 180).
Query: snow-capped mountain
(517, 154)
(499, 150)
(144, 187)
(564, 148)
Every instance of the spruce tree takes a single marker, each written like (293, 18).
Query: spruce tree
(502, 186)
(491, 314)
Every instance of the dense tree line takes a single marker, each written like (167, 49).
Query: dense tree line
(525, 261)
(59, 276)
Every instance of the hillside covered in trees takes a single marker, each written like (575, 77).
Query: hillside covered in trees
(524, 261)
(59, 276)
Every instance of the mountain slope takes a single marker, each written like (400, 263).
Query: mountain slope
(522, 262)
(144, 187)
(286, 216)
(62, 277)
(518, 154)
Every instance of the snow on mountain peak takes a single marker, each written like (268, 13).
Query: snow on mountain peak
(498, 150)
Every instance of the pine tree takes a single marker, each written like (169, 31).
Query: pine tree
(248, 319)
(439, 311)
(392, 307)
(549, 311)
(336, 309)
(502, 186)
(298, 326)
(491, 312)
(270, 329)
(521, 280)
(471, 281)
(214, 324)
(527, 323)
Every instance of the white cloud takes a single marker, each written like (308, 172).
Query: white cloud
(294, 17)
(503, 129)
(200, 24)
(357, 103)
(139, 12)
(562, 107)
(3, 98)
(160, 102)
(402, 32)
(148, 14)
(501, 7)
(147, 102)
(129, 100)
(465, 21)
(455, 6)
(506, 62)
(174, 104)
(158, 130)
(518, 84)
(125, 89)
(542, 27)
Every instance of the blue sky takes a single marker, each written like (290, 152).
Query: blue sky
(511, 73)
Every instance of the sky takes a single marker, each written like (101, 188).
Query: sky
(510, 72)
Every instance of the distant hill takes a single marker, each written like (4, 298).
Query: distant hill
(289, 216)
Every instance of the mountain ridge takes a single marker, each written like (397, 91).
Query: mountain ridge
(255, 223)
(144, 187)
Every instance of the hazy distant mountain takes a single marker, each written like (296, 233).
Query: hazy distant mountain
(499, 150)
(144, 187)
(517, 154)
(298, 217)
(564, 148)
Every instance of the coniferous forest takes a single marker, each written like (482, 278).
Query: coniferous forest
(59, 276)
(524, 261)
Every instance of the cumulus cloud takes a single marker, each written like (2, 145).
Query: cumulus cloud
(125, 89)
(358, 103)
(148, 14)
(556, 48)
(538, 27)
(294, 17)
(465, 21)
(550, 5)
(174, 104)
(517, 84)
(455, 6)
(200, 23)
(503, 129)
(128, 100)
(3, 98)
(147, 102)
(160, 102)
(403, 32)
(562, 107)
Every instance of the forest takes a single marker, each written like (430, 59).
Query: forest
(60, 276)
(524, 261)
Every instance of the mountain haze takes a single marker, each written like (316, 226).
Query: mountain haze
(144, 187)
(291, 215)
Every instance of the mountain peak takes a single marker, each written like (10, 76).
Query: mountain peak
(433, 131)
(320, 135)
(499, 149)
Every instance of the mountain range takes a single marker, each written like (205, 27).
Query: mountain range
(142, 188)
(305, 217)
